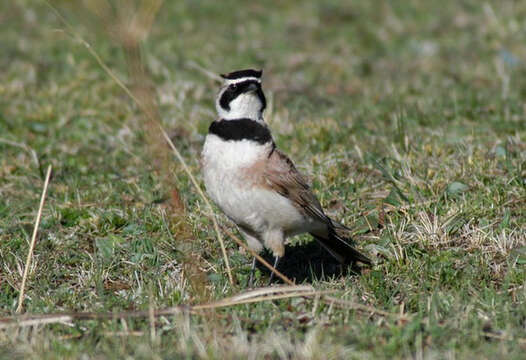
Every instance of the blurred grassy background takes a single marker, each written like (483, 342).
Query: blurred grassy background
(408, 117)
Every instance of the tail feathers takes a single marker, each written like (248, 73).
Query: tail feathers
(341, 249)
(339, 227)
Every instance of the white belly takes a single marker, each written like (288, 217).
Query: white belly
(255, 208)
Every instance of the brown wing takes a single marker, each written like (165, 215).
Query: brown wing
(281, 175)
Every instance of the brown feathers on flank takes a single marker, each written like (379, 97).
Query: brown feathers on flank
(282, 176)
(278, 173)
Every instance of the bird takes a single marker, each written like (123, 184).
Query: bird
(255, 184)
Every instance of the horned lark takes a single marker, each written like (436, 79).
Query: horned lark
(255, 184)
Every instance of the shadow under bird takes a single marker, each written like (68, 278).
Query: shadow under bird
(255, 184)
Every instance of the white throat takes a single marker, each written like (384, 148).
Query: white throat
(244, 106)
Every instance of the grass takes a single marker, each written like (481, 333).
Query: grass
(409, 119)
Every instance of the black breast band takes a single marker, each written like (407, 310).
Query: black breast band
(241, 129)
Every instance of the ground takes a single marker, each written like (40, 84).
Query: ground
(407, 117)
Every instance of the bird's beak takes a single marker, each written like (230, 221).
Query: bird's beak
(252, 87)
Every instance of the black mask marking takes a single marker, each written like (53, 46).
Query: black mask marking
(241, 129)
(234, 90)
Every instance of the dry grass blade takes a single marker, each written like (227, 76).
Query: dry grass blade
(352, 305)
(502, 337)
(33, 240)
(262, 294)
(271, 290)
(95, 56)
(226, 303)
(141, 105)
(7, 323)
(259, 295)
(205, 199)
(208, 73)
(23, 147)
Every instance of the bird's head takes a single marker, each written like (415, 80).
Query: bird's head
(241, 96)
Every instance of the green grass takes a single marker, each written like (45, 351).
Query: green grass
(409, 119)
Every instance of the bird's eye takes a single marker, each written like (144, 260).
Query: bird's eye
(233, 86)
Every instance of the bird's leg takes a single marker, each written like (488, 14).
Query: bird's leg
(276, 261)
(252, 270)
